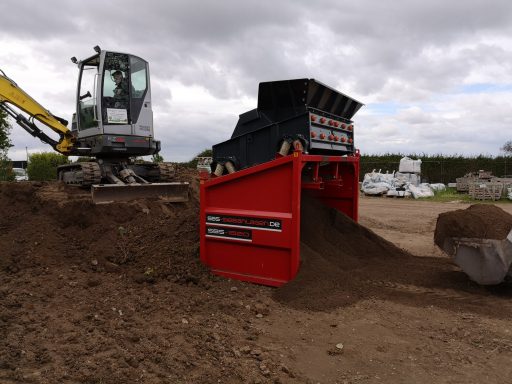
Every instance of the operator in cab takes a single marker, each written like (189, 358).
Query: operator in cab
(121, 93)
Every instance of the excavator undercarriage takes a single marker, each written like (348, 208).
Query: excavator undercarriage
(121, 181)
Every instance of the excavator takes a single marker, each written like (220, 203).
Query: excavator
(113, 125)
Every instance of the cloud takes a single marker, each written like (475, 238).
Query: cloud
(469, 124)
(415, 64)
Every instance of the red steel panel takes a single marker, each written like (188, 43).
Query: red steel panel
(250, 220)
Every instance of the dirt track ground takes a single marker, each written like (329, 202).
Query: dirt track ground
(70, 315)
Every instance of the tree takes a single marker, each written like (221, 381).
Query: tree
(193, 163)
(205, 153)
(507, 147)
(5, 129)
(6, 173)
(157, 158)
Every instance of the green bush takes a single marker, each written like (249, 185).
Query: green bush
(6, 172)
(84, 159)
(43, 166)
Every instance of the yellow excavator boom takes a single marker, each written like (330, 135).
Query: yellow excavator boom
(12, 94)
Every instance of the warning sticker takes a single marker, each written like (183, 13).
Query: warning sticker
(260, 223)
(230, 233)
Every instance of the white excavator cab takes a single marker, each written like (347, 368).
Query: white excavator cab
(114, 105)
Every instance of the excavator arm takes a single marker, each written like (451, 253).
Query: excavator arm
(10, 93)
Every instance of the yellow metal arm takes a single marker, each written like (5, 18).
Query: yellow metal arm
(12, 94)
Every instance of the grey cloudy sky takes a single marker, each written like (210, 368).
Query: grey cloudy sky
(435, 75)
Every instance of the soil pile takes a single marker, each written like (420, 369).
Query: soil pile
(52, 222)
(483, 221)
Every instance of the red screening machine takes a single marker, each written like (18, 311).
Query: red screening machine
(299, 140)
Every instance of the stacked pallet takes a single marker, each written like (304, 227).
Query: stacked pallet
(463, 183)
(507, 184)
(486, 191)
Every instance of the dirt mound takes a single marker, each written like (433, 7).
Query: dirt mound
(482, 221)
(52, 222)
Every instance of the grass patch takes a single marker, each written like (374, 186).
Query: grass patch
(451, 194)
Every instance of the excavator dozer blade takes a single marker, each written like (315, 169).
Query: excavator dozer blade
(169, 192)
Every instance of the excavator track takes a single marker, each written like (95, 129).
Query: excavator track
(84, 174)
(91, 173)
(167, 172)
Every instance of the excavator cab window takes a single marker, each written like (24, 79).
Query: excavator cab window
(138, 86)
(87, 102)
(116, 89)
